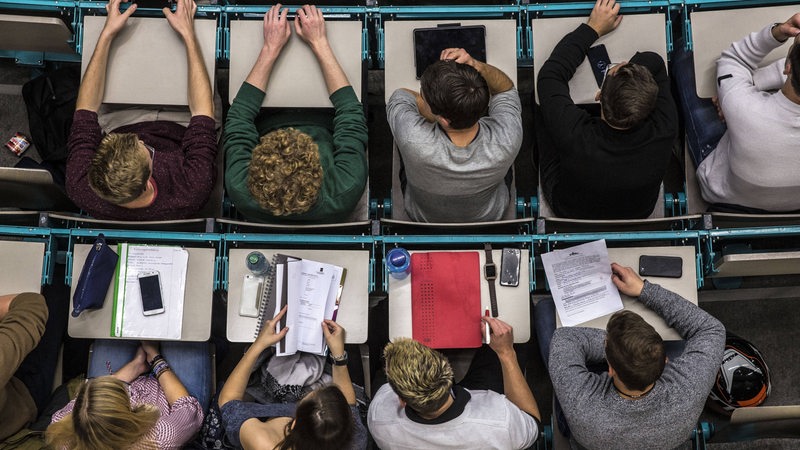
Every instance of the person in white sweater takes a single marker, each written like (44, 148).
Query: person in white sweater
(754, 163)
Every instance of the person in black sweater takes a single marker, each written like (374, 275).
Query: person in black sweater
(607, 167)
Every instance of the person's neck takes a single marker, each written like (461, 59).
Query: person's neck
(462, 138)
(631, 394)
(144, 200)
(441, 410)
(788, 92)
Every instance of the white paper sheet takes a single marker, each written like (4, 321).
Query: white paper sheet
(580, 282)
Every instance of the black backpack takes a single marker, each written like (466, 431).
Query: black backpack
(50, 100)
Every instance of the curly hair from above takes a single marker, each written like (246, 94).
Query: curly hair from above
(285, 173)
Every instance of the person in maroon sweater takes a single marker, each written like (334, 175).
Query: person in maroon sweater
(150, 170)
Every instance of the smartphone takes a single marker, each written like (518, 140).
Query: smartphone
(509, 267)
(251, 295)
(155, 4)
(150, 288)
(660, 266)
(599, 60)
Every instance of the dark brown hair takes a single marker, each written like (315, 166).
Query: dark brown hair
(628, 96)
(456, 92)
(634, 349)
(322, 421)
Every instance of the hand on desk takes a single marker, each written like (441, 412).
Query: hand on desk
(276, 29)
(502, 341)
(182, 20)
(309, 24)
(268, 337)
(605, 17)
(626, 280)
(115, 20)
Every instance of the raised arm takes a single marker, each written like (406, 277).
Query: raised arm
(514, 384)
(310, 26)
(496, 79)
(334, 336)
(201, 102)
(237, 381)
(93, 86)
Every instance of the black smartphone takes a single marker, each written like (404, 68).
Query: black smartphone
(509, 267)
(155, 4)
(599, 60)
(150, 287)
(660, 266)
(429, 43)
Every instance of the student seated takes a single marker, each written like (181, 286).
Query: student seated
(421, 406)
(305, 166)
(325, 418)
(145, 168)
(457, 139)
(125, 409)
(22, 324)
(607, 167)
(751, 164)
(640, 399)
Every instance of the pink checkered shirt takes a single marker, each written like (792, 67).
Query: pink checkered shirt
(176, 426)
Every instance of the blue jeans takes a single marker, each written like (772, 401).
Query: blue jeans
(189, 361)
(703, 126)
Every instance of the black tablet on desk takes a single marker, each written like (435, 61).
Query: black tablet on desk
(429, 43)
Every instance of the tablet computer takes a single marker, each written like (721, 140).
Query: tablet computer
(429, 43)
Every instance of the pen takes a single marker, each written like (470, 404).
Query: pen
(486, 328)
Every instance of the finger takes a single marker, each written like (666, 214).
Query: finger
(283, 15)
(280, 314)
(326, 331)
(167, 12)
(130, 10)
(283, 332)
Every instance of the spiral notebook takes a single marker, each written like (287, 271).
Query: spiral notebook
(312, 290)
(446, 299)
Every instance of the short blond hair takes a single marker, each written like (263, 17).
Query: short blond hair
(285, 173)
(422, 377)
(103, 418)
(119, 172)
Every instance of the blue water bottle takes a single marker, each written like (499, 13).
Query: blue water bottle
(257, 263)
(398, 262)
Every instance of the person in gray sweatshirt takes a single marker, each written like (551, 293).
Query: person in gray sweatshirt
(644, 400)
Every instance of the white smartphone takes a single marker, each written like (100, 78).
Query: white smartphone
(251, 295)
(150, 288)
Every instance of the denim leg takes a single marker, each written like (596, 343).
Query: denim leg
(544, 317)
(109, 355)
(191, 363)
(703, 125)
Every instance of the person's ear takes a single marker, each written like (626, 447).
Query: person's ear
(402, 402)
(787, 67)
(597, 96)
(443, 122)
(611, 372)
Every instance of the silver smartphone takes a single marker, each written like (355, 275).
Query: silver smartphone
(150, 288)
(509, 267)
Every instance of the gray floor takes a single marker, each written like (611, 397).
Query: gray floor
(13, 115)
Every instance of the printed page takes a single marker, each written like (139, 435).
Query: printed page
(171, 264)
(310, 285)
(580, 282)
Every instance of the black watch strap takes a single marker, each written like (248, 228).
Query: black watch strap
(492, 294)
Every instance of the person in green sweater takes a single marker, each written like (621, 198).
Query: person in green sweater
(290, 166)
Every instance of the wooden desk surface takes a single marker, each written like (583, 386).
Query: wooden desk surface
(621, 44)
(147, 60)
(196, 307)
(400, 70)
(686, 285)
(715, 31)
(513, 303)
(296, 79)
(353, 309)
(22, 270)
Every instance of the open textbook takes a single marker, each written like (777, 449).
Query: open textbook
(312, 291)
(580, 282)
(128, 316)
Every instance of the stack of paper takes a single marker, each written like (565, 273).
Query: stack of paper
(128, 319)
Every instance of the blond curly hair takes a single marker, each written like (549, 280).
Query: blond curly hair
(285, 173)
(119, 172)
(422, 377)
(103, 418)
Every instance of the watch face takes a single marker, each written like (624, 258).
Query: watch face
(490, 271)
